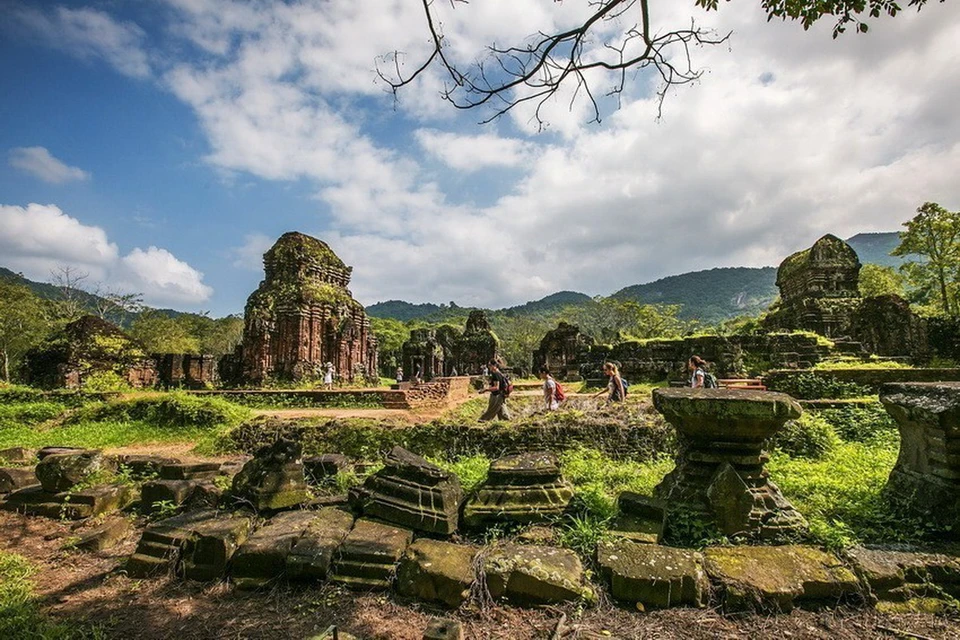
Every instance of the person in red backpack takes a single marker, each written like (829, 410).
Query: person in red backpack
(552, 391)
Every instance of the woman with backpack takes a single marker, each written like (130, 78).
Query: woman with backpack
(553, 393)
(699, 377)
(616, 387)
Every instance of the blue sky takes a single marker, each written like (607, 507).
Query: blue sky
(162, 146)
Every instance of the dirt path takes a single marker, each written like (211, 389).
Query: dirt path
(93, 587)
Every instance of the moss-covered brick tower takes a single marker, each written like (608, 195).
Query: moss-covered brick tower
(818, 289)
(302, 316)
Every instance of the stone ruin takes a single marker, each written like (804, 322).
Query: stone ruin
(562, 350)
(439, 352)
(187, 370)
(274, 479)
(819, 289)
(926, 477)
(302, 316)
(88, 347)
(720, 471)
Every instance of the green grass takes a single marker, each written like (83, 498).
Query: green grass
(20, 615)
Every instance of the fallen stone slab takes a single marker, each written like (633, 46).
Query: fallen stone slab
(49, 451)
(902, 575)
(437, 571)
(62, 471)
(18, 455)
(529, 574)
(263, 557)
(653, 575)
(640, 518)
(778, 578)
(411, 492)
(104, 536)
(368, 557)
(189, 470)
(312, 554)
(70, 505)
(211, 545)
(523, 488)
(14, 478)
(328, 465)
(144, 466)
(170, 492)
(162, 543)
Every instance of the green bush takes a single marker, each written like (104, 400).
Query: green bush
(167, 410)
(862, 423)
(810, 436)
(106, 381)
(809, 386)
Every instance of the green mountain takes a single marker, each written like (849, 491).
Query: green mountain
(404, 311)
(710, 296)
(875, 248)
(551, 304)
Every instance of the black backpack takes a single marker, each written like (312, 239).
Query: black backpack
(709, 380)
(506, 387)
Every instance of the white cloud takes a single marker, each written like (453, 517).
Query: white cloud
(249, 255)
(88, 34)
(37, 239)
(38, 162)
(161, 277)
(470, 153)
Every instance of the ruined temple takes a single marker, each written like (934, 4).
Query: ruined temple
(818, 289)
(423, 353)
(478, 345)
(562, 350)
(441, 352)
(302, 316)
(87, 348)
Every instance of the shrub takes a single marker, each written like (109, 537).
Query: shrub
(860, 423)
(810, 436)
(168, 410)
(106, 381)
(809, 386)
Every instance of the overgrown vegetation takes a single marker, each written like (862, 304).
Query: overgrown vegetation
(812, 386)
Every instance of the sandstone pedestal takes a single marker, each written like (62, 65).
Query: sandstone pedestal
(521, 488)
(411, 492)
(926, 478)
(528, 574)
(720, 470)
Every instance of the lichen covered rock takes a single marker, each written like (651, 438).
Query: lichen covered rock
(653, 575)
(436, 571)
(62, 471)
(368, 557)
(313, 552)
(528, 574)
(274, 478)
(522, 488)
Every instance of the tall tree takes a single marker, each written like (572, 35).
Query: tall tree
(159, 333)
(878, 280)
(23, 323)
(933, 234)
(611, 319)
(116, 305)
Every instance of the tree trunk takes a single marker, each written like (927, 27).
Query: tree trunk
(6, 366)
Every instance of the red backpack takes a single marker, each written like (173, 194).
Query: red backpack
(558, 394)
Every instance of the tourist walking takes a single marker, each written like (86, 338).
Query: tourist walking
(499, 390)
(550, 390)
(417, 373)
(399, 375)
(616, 387)
(328, 377)
(700, 378)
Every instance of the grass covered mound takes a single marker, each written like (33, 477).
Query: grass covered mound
(41, 420)
(622, 431)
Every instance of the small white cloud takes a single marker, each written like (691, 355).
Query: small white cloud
(88, 34)
(472, 153)
(249, 255)
(161, 277)
(38, 162)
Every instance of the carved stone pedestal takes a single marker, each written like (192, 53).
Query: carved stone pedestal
(720, 470)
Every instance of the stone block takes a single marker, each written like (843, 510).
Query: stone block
(368, 557)
(49, 451)
(98, 500)
(523, 488)
(18, 455)
(144, 466)
(313, 552)
(411, 492)
(640, 518)
(104, 536)
(325, 466)
(263, 557)
(529, 574)
(436, 571)
(211, 545)
(273, 479)
(653, 575)
(162, 543)
(174, 492)
(14, 478)
(189, 470)
(62, 471)
(900, 575)
(779, 578)
(443, 629)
